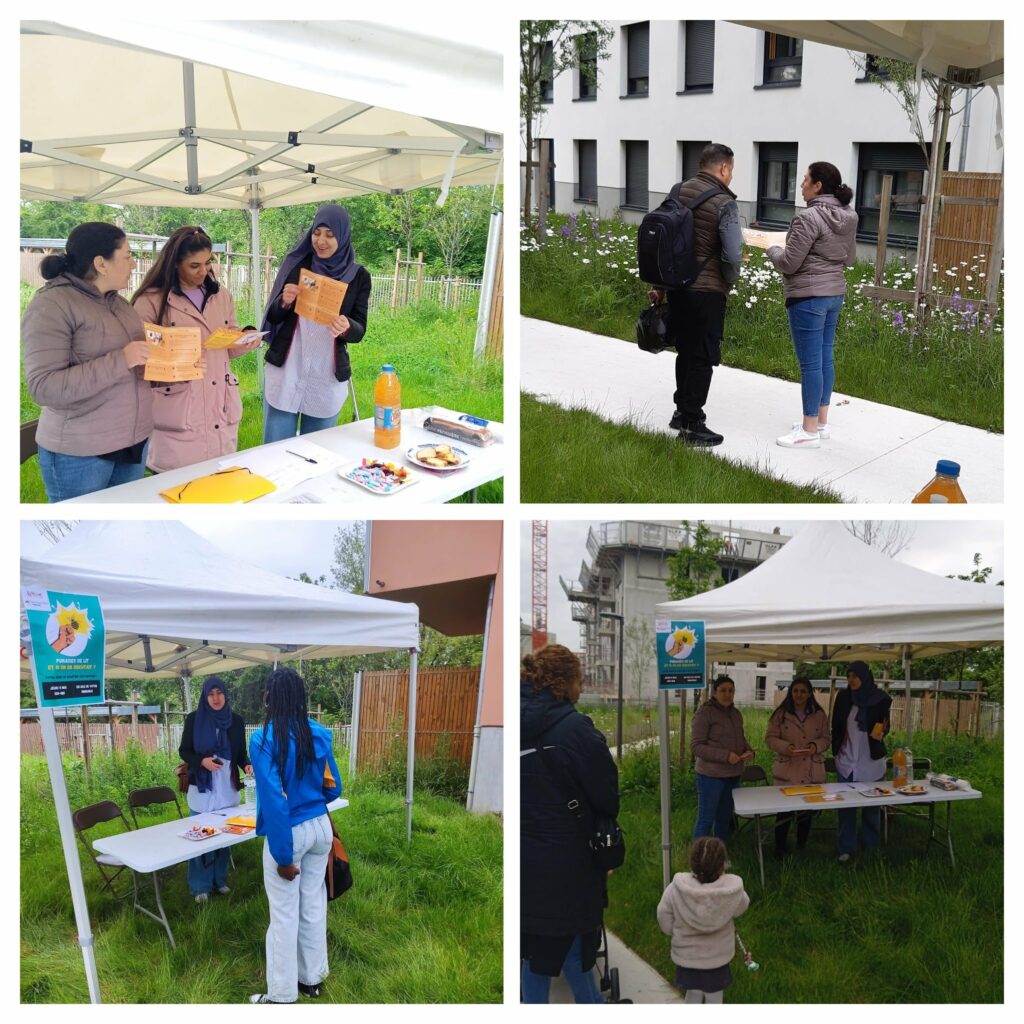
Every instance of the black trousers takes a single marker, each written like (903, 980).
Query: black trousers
(697, 322)
(803, 827)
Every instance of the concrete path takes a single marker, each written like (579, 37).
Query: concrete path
(876, 454)
(637, 979)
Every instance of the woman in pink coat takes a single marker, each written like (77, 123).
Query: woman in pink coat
(798, 732)
(193, 420)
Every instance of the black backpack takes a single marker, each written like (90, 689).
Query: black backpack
(666, 250)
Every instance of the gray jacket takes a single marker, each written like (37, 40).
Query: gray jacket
(821, 241)
(92, 403)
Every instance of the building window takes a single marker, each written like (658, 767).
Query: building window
(776, 183)
(638, 38)
(783, 59)
(586, 73)
(760, 687)
(909, 169)
(546, 56)
(730, 573)
(873, 72)
(699, 73)
(586, 173)
(689, 158)
(635, 194)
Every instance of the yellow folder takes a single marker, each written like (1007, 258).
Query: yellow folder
(224, 487)
(801, 790)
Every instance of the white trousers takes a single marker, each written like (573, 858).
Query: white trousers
(297, 936)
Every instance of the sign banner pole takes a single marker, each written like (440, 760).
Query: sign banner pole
(410, 766)
(67, 837)
(666, 790)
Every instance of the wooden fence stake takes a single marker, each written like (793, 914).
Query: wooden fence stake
(86, 752)
(394, 287)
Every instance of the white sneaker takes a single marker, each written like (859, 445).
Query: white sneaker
(202, 897)
(824, 431)
(798, 438)
(223, 890)
(844, 858)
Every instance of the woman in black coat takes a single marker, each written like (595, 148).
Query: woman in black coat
(860, 722)
(562, 890)
(213, 746)
(305, 379)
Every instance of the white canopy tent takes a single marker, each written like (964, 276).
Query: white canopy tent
(252, 114)
(174, 604)
(826, 596)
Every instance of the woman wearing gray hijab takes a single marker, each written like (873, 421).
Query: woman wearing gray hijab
(305, 382)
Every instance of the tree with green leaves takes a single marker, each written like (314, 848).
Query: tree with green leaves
(454, 225)
(546, 49)
(694, 568)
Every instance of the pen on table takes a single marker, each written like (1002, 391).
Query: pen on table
(298, 456)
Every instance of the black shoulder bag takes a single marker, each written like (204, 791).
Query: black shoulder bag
(606, 841)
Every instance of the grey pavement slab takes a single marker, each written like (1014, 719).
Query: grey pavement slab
(877, 453)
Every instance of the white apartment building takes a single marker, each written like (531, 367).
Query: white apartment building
(670, 87)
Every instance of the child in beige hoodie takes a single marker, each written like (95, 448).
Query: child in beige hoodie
(697, 911)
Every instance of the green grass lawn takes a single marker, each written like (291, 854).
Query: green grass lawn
(900, 925)
(953, 369)
(431, 348)
(422, 923)
(572, 455)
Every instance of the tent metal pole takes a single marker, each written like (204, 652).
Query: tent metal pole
(191, 142)
(186, 679)
(474, 763)
(909, 724)
(410, 766)
(353, 743)
(488, 285)
(666, 789)
(257, 269)
(51, 745)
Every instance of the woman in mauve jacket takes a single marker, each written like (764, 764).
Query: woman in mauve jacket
(193, 420)
(820, 243)
(798, 732)
(721, 751)
(562, 890)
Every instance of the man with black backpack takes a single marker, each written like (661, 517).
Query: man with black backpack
(691, 248)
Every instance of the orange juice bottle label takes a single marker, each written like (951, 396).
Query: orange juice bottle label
(387, 417)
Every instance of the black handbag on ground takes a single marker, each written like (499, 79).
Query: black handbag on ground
(652, 330)
(339, 871)
(606, 841)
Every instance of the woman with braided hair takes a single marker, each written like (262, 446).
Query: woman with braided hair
(296, 775)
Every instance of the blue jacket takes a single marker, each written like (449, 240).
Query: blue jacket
(282, 804)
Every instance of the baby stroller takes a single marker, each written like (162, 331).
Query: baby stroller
(609, 975)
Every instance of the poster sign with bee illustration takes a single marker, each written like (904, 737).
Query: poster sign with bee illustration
(67, 646)
(680, 654)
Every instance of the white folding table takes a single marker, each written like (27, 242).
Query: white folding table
(758, 801)
(353, 442)
(147, 851)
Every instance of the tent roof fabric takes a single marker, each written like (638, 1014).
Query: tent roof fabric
(200, 114)
(172, 602)
(827, 596)
(947, 49)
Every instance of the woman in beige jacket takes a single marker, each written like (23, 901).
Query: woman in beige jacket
(798, 732)
(198, 419)
(84, 353)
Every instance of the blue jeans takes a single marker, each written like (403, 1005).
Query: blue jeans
(812, 323)
(208, 871)
(714, 806)
(70, 476)
(870, 825)
(536, 987)
(278, 425)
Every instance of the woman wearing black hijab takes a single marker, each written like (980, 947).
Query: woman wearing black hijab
(305, 380)
(213, 747)
(860, 721)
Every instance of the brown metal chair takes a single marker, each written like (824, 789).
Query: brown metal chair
(28, 440)
(96, 814)
(830, 766)
(149, 797)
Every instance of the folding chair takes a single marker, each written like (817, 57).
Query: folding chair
(149, 797)
(28, 440)
(96, 814)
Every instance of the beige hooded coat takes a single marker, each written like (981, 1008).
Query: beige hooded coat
(699, 917)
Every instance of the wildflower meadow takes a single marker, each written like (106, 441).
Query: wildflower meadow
(582, 272)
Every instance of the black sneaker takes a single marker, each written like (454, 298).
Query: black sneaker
(700, 436)
(313, 991)
(676, 423)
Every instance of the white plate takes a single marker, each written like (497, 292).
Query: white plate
(196, 836)
(889, 791)
(375, 481)
(462, 454)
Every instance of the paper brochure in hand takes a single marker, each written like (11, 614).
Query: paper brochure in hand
(175, 352)
(227, 337)
(320, 297)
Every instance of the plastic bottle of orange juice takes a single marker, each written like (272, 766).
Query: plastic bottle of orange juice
(387, 409)
(943, 488)
(899, 767)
